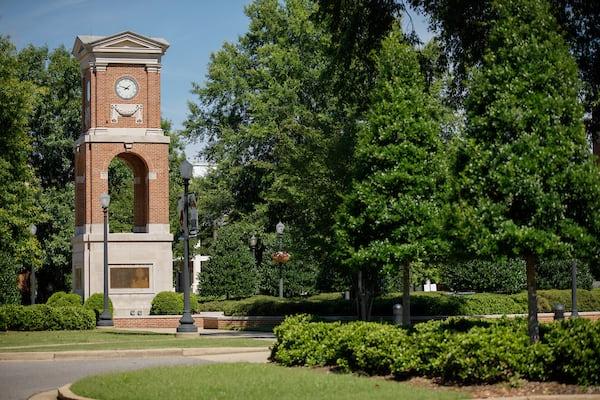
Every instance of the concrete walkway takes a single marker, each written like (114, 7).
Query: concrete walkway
(205, 332)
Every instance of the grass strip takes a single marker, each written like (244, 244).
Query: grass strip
(112, 340)
(248, 381)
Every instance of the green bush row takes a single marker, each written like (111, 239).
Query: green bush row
(171, 303)
(456, 350)
(42, 317)
(508, 275)
(422, 304)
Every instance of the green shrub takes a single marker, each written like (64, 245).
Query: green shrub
(42, 317)
(167, 303)
(502, 276)
(484, 355)
(60, 299)
(96, 303)
(171, 303)
(374, 349)
(457, 350)
(301, 342)
(575, 345)
(556, 274)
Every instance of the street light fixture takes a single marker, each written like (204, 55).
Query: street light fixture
(32, 280)
(186, 323)
(105, 318)
(252, 242)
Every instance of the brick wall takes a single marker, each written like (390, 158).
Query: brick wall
(102, 82)
(269, 322)
(153, 321)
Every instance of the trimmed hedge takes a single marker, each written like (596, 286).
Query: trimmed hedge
(466, 351)
(42, 317)
(61, 299)
(171, 303)
(508, 276)
(96, 303)
(422, 304)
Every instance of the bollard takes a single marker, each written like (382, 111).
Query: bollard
(397, 312)
(559, 312)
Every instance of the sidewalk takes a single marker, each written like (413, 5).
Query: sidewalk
(205, 332)
(152, 352)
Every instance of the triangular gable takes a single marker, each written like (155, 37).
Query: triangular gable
(128, 44)
(120, 42)
(129, 40)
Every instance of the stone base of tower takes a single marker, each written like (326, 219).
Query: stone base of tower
(140, 266)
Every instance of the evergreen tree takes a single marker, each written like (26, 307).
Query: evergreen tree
(525, 181)
(388, 221)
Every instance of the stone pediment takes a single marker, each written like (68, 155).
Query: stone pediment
(124, 45)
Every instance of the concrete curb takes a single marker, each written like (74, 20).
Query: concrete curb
(64, 393)
(94, 354)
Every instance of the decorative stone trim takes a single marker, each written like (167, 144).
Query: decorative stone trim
(126, 110)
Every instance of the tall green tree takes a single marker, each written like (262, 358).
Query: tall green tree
(389, 220)
(525, 183)
(54, 125)
(19, 192)
(464, 25)
(267, 115)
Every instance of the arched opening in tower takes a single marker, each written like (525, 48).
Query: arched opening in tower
(128, 189)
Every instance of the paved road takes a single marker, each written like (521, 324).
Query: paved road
(21, 379)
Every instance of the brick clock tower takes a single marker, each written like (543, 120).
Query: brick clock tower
(121, 119)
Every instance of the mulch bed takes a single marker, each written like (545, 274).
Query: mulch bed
(516, 388)
(505, 389)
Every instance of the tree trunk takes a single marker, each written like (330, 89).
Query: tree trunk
(406, 295)
(532, 320)
(362, 305)
(364, 295)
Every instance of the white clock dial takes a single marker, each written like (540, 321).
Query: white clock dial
(126, 88)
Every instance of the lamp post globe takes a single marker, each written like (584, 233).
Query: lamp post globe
(105, 319)
(186, 323)
(279, 228)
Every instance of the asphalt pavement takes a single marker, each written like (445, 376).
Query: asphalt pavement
(20, 380)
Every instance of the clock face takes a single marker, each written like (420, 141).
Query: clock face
(126, 88)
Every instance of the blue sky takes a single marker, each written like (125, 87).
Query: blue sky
(194, 29)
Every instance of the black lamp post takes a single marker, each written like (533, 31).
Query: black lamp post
(105, 318)
(32, 280)
(279, 229)
(574, 313)
(186, 323)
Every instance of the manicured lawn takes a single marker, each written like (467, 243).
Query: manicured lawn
(248, 382)
(111, 340)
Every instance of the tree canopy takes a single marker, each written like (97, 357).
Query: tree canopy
(524, 180)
